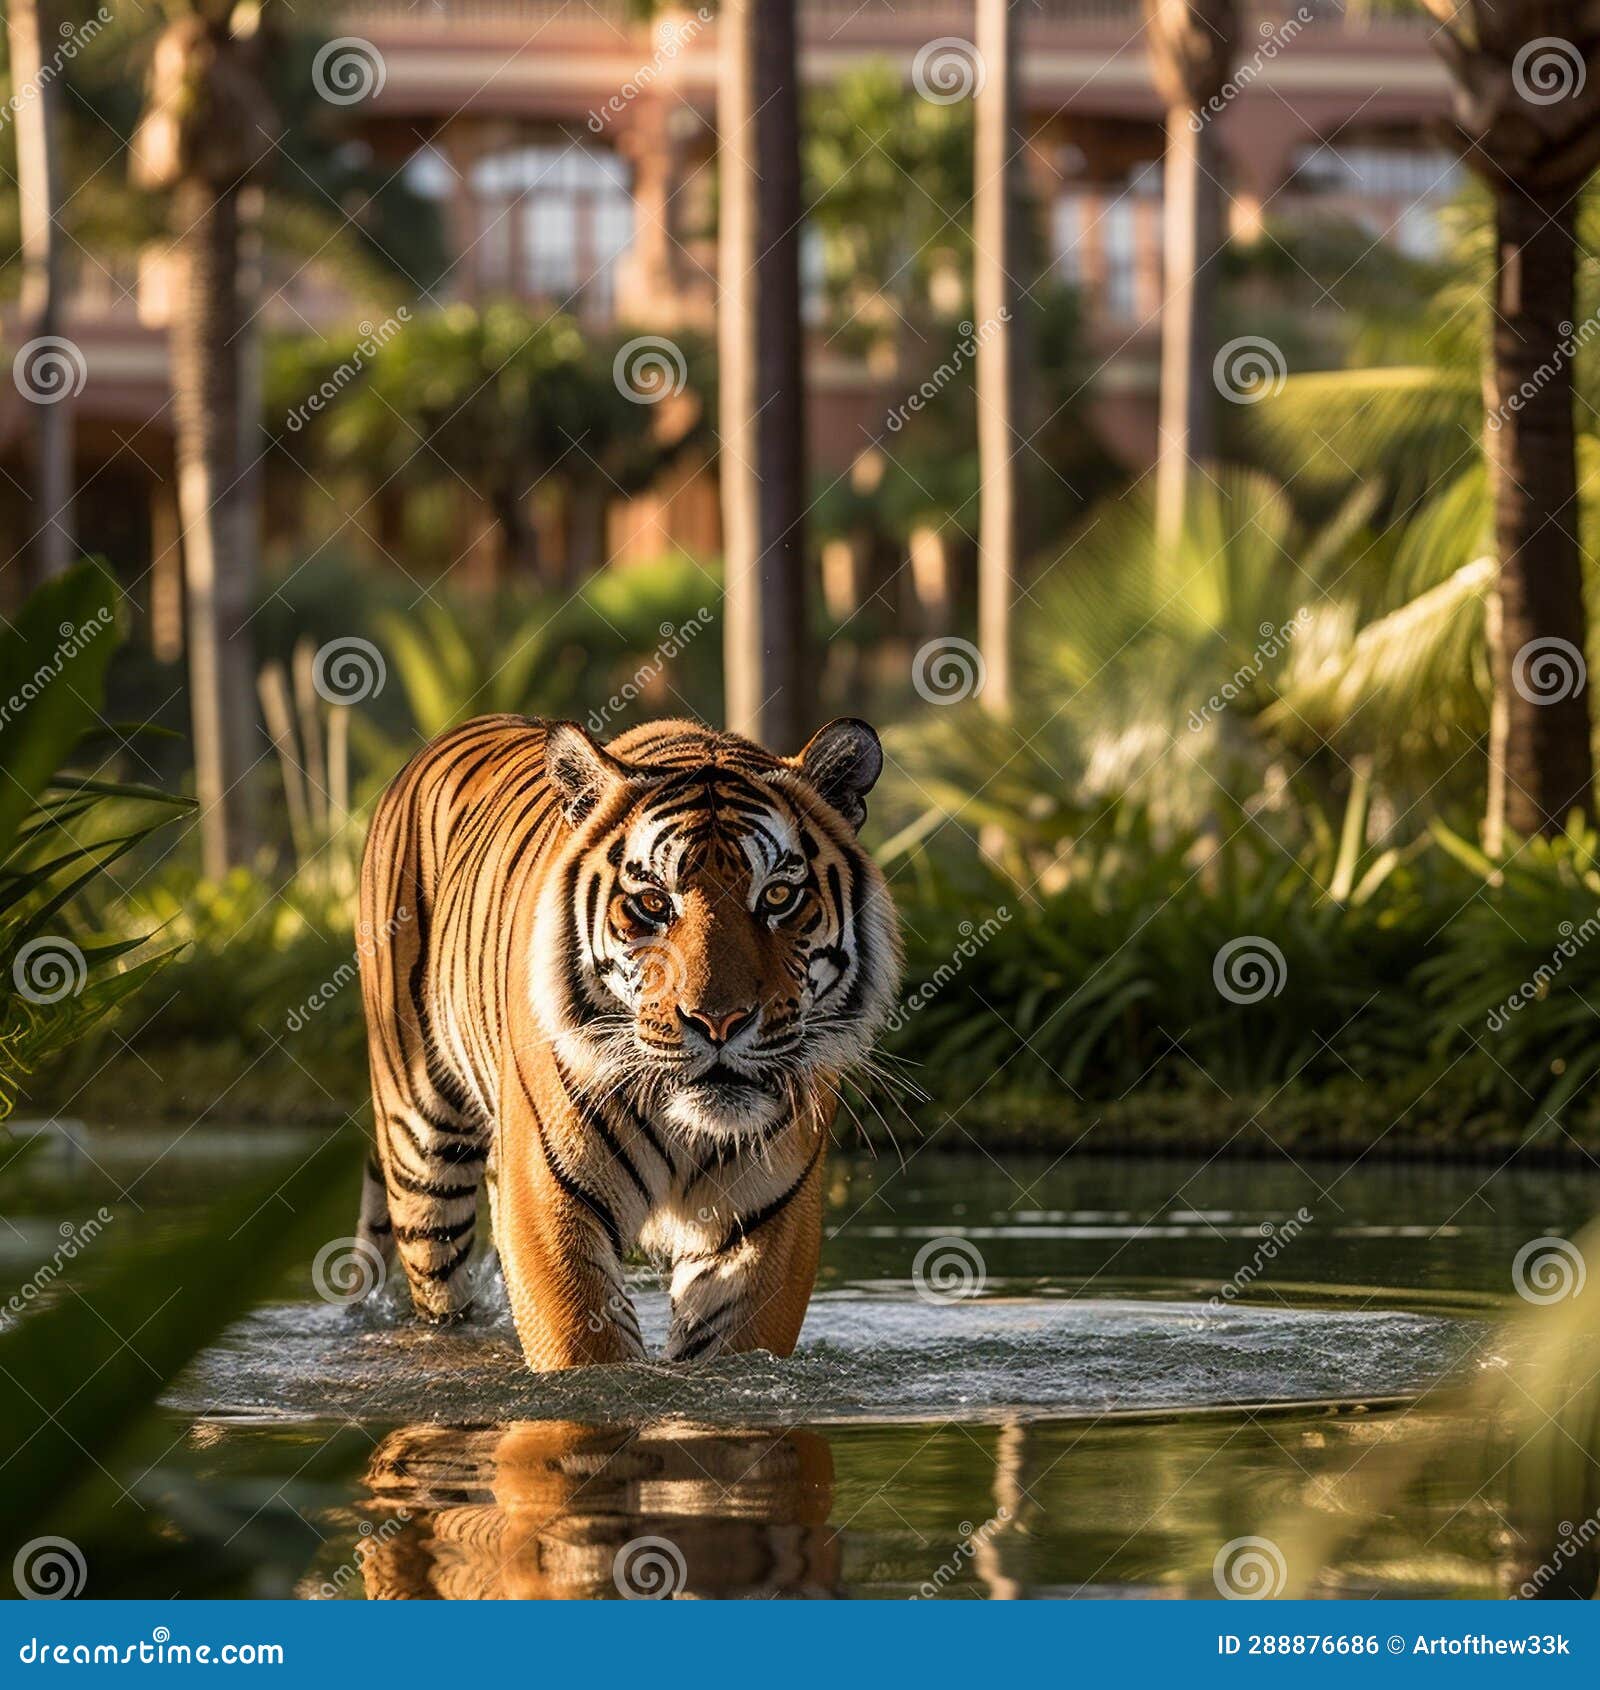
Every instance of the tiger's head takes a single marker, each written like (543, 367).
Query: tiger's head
(713, 938)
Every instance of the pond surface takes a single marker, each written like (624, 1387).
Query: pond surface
(1019, 1377)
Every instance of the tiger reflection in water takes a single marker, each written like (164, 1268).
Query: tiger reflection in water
(554, 1509)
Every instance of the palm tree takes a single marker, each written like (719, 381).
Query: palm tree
(1527, 110)
(762, 453)
(995, 265)
(1191, 52)
(39, 194)
(207, 130)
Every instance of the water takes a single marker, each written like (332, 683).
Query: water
(1101, 1376)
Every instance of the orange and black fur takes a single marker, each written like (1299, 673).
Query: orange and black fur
(624, 984)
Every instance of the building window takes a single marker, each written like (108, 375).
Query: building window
(545, 222)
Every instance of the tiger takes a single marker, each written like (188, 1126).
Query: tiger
(620, 986)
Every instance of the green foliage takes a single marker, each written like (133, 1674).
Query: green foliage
(889, 187)
(502, 398)
(60, 832)
(80, 1378)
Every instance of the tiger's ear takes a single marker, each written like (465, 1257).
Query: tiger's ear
(843, 762)
(582, 772)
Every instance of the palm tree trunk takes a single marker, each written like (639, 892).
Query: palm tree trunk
(40, 301)
(1540, 758)
(1191, 238)
(769, 682)
(995, 266)
(214, 508)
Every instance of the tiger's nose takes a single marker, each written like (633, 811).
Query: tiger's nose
(718, 1025)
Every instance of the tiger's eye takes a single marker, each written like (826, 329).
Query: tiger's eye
(654, 905)
(780, 895)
